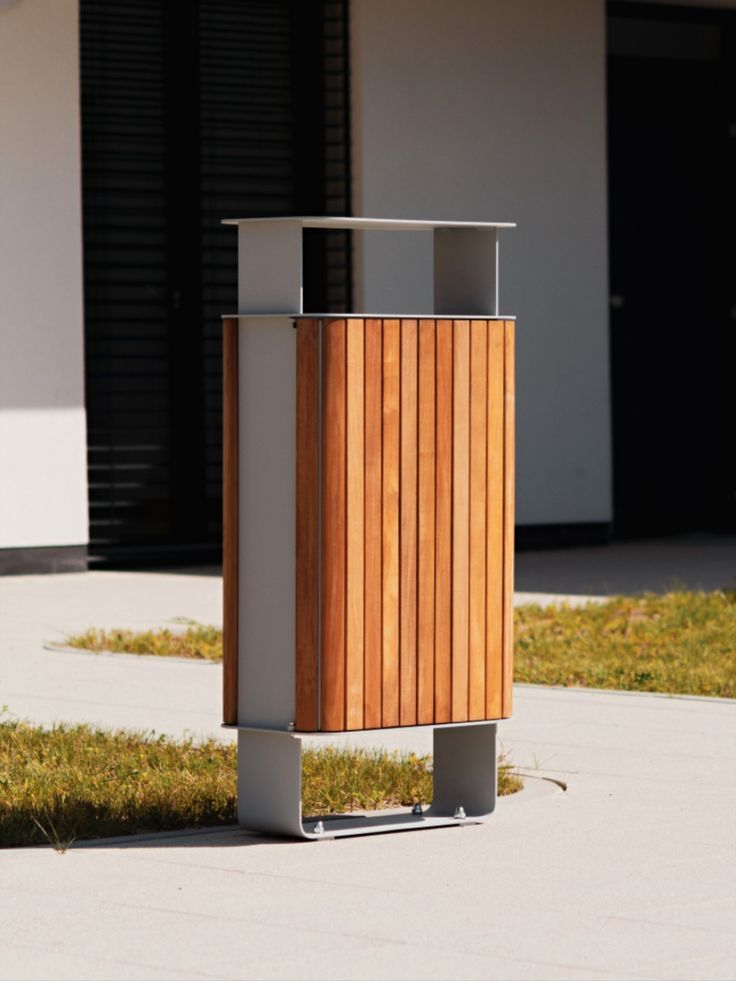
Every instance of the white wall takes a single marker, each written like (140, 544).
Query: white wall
(43, 490)
(495, 109)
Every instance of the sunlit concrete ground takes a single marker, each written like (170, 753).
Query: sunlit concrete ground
(628, 873)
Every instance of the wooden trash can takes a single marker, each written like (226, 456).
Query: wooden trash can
(368, 523)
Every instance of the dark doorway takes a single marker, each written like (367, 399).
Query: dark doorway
(672, 148)
(191, 112)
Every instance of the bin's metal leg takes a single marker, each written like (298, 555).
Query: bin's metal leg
(465, 771)
(270, 782)
(270, 786)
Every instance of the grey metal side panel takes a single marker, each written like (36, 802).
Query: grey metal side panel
(270, 783)
(465, 272)
(270, 267)
(267, 555)
(465, 770)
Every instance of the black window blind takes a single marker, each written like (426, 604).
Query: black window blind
(192, 112)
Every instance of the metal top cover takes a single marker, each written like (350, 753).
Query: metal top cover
(373, 224)
(270, 262)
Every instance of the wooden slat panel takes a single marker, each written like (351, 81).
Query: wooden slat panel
(408, 540)
(307, 524)
(426, 524)
(443, 527)
(417, 521)
(508, 517)
(477, 559)
(460, 517)
(495, 492)
(333, 525)
(355, 525)
(373, 529)
(230, 527)
(390, 519)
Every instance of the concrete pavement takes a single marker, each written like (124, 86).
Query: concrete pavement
(45, 686)
(628, 873)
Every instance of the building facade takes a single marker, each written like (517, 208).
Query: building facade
(129, 129)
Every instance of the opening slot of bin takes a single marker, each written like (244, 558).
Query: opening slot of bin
(463, 274)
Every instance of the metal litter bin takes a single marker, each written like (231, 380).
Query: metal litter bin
(369, 522)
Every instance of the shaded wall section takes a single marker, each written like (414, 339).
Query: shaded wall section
(495, 109)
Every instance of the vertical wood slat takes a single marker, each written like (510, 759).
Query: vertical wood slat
(426, 523)
(307, 524)
(390, 519)
(417, 522)
(333, 525)
(408, 525)
(460, 517)
(508, 515)
(230, 523)
(495, 609)
(355, 559)
(443, 524)
(477, 520)
(373, 639)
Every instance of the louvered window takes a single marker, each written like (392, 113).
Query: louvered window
(191, 112)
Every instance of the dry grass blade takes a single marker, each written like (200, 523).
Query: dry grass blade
(60, 845)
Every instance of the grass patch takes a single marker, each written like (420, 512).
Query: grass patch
(73, 782)
(679, 643)
(197, 641)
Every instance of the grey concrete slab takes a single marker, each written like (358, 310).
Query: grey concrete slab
(556, 599)
(134, 692)
(629, 873)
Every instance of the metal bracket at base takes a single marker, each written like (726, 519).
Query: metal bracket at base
(270, 786)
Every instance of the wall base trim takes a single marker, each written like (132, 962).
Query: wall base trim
(43, 559)
(154, 556)
(531, 538)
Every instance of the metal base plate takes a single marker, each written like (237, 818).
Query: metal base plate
(270, 786)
